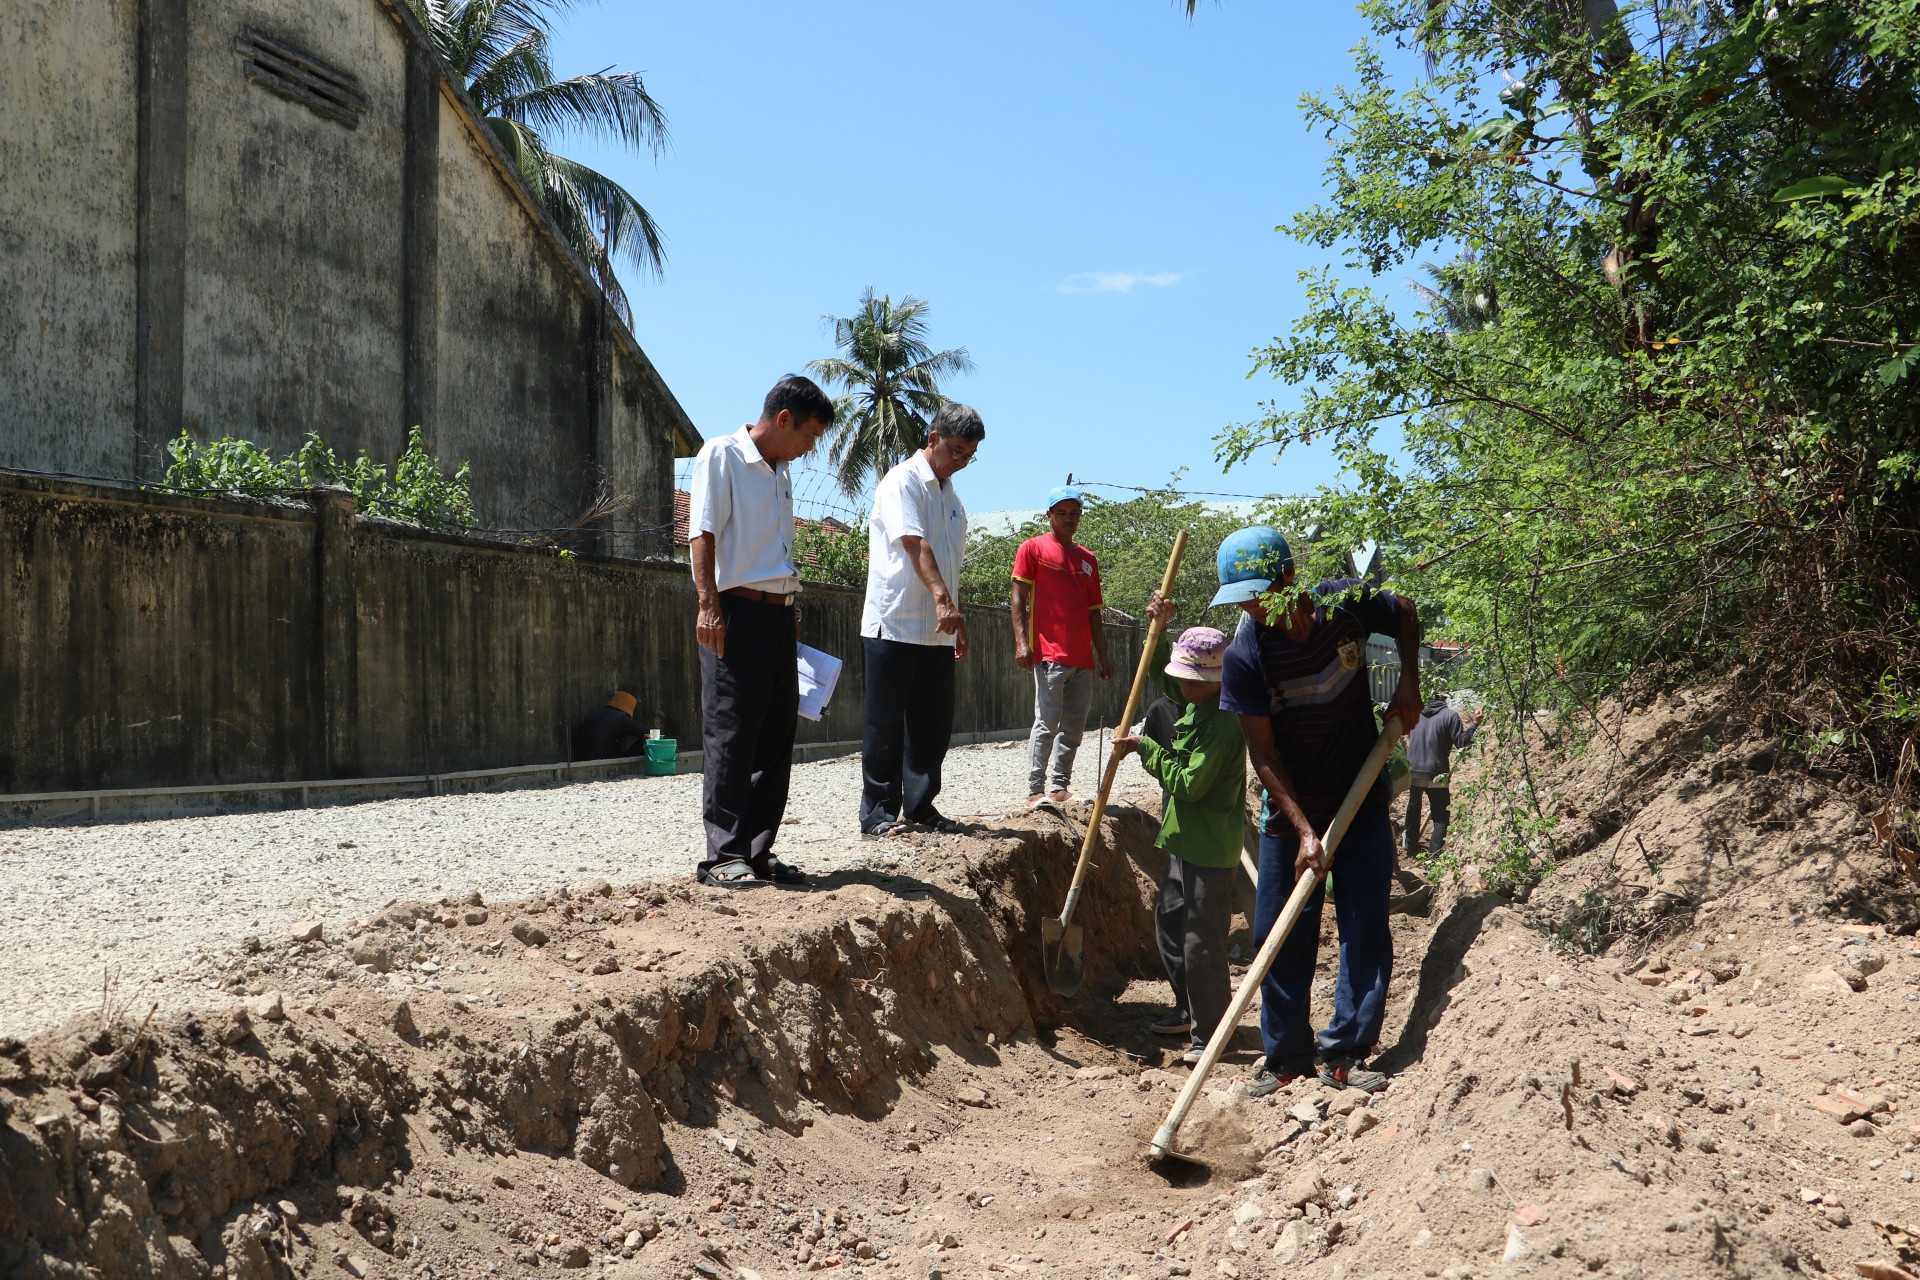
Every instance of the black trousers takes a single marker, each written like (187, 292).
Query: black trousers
(749, 706)
(1441, 801)
(1191, 922)
(909, 723)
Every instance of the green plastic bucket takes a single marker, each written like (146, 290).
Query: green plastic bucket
(663, 755)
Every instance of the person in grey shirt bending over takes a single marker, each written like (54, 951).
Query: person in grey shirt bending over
(1430, 755)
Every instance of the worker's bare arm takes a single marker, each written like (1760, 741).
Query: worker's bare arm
(710, 628)
(1258, 731)
(1022, 601)
(1099, 631)
(927, 569)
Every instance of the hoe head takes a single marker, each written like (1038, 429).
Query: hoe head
(1062, 955)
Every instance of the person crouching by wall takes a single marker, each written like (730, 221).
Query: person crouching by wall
(741, 519)
(611, 732)
(1204, 776)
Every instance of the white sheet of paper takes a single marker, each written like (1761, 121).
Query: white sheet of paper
(819, 673)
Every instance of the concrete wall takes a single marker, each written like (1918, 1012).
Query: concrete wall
(156, 641)
(188, 248)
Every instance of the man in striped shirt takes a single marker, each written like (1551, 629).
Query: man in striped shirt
(1296, 674)
(912, 630)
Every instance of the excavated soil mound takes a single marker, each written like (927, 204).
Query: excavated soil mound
(661, 1080)
(1697, 1062)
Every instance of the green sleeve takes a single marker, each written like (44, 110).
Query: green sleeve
(1218, 746)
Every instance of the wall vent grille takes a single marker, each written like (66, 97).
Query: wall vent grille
(292, 72)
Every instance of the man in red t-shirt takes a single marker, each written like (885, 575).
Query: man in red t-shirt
(1057, 635)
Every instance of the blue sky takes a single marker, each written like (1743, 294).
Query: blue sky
(1085, 192)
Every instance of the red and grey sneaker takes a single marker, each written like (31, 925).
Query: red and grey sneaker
(1265, 1082)
(1351, 1073)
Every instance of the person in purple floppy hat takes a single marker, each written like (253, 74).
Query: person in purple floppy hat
(1204, 775)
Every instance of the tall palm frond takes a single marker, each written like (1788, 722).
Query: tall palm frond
(1461, 298)
(892, 375)
(498, 48)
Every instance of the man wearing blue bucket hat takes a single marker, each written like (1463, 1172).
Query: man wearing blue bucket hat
(1296, 675)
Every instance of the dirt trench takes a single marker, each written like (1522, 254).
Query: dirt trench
(628, 1078)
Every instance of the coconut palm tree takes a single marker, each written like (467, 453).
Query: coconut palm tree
(1461, 297)
(892, 378)
(498, 48)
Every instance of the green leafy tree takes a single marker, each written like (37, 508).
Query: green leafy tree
(417, 492)
(892, 376)
(1685, 437)
(827, 554)
(499, 50)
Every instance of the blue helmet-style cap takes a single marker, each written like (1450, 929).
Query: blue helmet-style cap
(1250, 561)
(1060, 493)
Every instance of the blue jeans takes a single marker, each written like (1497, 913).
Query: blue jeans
(1363, 866)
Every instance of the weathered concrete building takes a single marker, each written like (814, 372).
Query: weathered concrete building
(259, 218)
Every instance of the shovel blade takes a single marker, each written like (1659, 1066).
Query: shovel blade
(1063, 957)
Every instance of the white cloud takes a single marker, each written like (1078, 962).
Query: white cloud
(1117, 281)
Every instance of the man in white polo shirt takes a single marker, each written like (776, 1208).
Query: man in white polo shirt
(741, 519)
(912, 631)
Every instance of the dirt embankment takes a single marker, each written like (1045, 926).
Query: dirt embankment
(1690, 1054)
(626, 1048)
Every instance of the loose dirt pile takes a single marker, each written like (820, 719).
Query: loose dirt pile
(661, 1080)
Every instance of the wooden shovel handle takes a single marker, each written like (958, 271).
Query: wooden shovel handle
(1302, 890)
(1154, 628)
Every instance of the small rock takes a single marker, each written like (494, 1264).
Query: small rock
(970, 1097)
(1095, 1073)
(375, 954)
(502, 1181)
(574, 957)
(599, 889)
(306, 930)
(1553, 981)
(1826, 982)
(606, 964)
(288, 1210)
(1530, 1215)
(474, 915)
(403, 1024)
(1306, 1189)
(1517, 1248)
(237, 1028)
(1862, 1129)
(268, 1008)
(576, 1256)
(1306, 1111)
(1359, 1122)
(1248, 1212)
(355, 1265)
(1723, 965)
(529, 933)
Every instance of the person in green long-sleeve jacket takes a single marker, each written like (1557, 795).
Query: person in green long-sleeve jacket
(1204, 773)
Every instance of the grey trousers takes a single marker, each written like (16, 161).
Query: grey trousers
(1196, 907)
(1061, 697)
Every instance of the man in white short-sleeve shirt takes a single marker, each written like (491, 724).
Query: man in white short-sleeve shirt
(741, 520)
(912, 631)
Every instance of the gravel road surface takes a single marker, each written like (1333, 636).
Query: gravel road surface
(152, 911)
